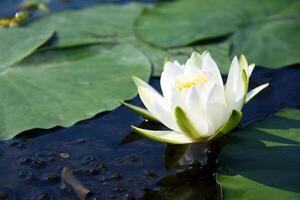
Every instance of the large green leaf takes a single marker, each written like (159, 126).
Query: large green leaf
(106, 23)
(271, 43)
(90, 26)
(18, 43)
(63, 86)
(186, 22)
(262, 161)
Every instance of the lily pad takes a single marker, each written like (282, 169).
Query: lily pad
(262, 161)
(99, 24)
(64, 86)
(253, 24)
(18, 43)
(90, 26)
(270, 44)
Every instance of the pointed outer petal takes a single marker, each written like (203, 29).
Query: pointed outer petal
(210, 68)
(186, 125)
(168, 76)
(171, 137)
(243, 61)
(235, 118)
(195, 60)
(157, 106)
(255, 91)
(235, 86)
(233, 75)
(140, 83)
(244, 64)
(250, 69)
(141, 111)
(204, 53)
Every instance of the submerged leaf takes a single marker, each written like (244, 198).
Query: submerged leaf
(263, 160)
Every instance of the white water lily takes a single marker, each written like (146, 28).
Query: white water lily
(195, 104)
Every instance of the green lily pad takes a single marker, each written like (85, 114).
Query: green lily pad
(18, 43)
(63, 86)
(261, 29)
(262, 161)
(90, 26)
(99, 24)
(270, 44)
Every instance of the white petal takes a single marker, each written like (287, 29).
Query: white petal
(167, 79)
(195, 60)
(199, 123)
(217, 115)
(164, 136)
(250, 69)
(216, 107)
(244, 64)
(235, 87)
(191, 70)
(189, 123)
(176, 98)
(157, 106)
(210, 68)
(196, 100)
(216, 95)
(195, 107)
(255, 91)
(192, 102)
(140, 83)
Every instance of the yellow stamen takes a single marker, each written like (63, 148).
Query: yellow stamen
(186, 82)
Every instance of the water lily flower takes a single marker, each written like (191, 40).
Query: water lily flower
(195, 104)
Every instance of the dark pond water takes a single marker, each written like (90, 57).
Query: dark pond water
(114, 163)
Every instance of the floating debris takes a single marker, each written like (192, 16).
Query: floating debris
(64, 155)
(67, 177)
(40, 5)
(17, 20)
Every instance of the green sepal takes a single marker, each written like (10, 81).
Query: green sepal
(141, 111)
(246, 83)
(186, 125)
(171, 137)
(235, 118)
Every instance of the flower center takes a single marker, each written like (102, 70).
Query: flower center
(185, 82)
